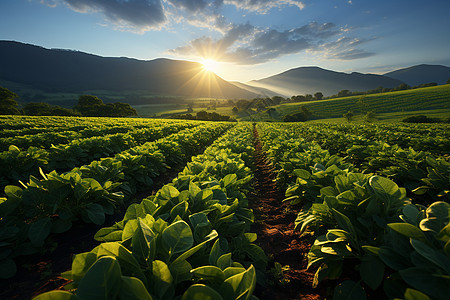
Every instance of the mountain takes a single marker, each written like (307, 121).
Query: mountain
(70, 71)
(309, 80)
(419, 74)
(261, 92)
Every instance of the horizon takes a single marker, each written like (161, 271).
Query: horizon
(240, 40)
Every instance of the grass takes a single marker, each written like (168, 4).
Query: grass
(431, 101)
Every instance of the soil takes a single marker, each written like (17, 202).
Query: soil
(274, 227)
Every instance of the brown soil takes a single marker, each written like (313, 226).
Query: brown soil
(274, 227)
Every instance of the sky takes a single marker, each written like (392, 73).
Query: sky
(241, 40)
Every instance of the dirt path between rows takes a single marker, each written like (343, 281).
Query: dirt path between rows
(274, 227)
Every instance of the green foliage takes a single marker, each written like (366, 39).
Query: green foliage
(45, 109)
(348, 116)
(92, 106)
(420, 119)
(8, 103)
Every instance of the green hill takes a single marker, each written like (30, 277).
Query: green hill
(423, 100)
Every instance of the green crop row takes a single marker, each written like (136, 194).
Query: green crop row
(16, 164)
(418, 171)
(188, 241)
(51, 204)
(366, 229)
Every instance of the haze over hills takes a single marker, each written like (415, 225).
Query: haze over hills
(419, 74)
(309, 80)
(78, 72)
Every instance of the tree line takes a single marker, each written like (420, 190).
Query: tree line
(87, 106)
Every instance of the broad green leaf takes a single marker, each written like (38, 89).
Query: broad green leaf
(219, 248)
(177, 237)
(434, 285)
(408, 230)
(127, 261)
(39, 230)
(240, 284)
(81, 264)
(102, 281)
(201, 291)
(162, 277)
(96, 213)
(212, 274)
(56, 295)
(372, 271)
(349, 290)
(193, 250)
(383, 187)
(224, 261)
(432, 255)
(411, 294)
(133, 289)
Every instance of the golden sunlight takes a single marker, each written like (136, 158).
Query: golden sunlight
(210, 65)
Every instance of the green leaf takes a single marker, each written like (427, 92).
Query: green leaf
(162, 277)
(133, 289)
(8, 268)
(349, 290)
(224, 261)
(127, 261)
(201, 291)
(219, 248)
(177, 237)
(60, 226)
(81, 264)
(411, 294)
(432, 255)
(39, 230)
(239, 285)
(140, 242)
(102, 281)
(434, 285)
(193, 250)
(408, 230)
(56, 295)
(95, 213)
(212, 274)
(372, 271)
(385, 188)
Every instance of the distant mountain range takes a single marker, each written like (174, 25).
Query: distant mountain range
(67, 71)
(78, 72)
(309, 80)
(422, 74)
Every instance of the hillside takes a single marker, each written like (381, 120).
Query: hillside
(419, 74)
(309, 80)
(423, 99)
(77, 72)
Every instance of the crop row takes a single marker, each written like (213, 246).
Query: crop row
(418, 171)
(51, 204)
(16, 164)
(365, 227)
(188, 241)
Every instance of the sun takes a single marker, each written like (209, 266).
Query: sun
(210, 65)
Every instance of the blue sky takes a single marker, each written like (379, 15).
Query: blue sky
(251, 39)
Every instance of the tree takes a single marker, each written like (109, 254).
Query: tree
(344, 93)
(8, 103)
(318, 96)
(298, 98)
(90, 106)
(277, 100)
(348, 116)
(308, 97)
(448, 81)
(235, 110)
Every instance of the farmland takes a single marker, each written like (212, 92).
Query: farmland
(164, 209)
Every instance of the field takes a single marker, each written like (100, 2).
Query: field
(431, 101)
(169, 209)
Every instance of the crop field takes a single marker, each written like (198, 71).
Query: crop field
(165, 209)
(417, 101)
